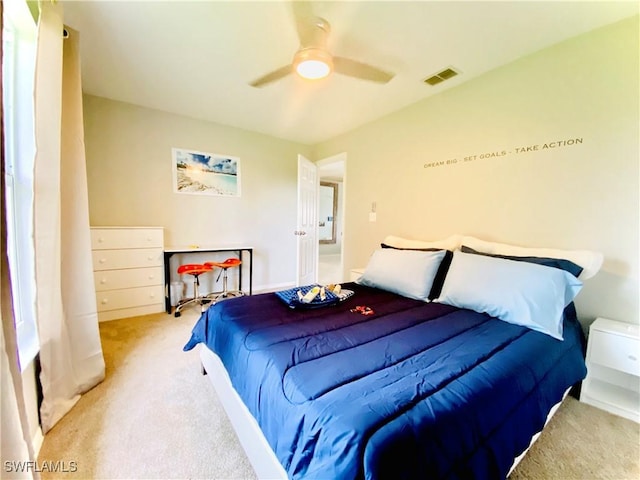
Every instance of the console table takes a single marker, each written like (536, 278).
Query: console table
(170, 251)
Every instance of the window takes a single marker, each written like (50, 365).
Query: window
(18, 67)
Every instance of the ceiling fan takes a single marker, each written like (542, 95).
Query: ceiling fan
(313, 60)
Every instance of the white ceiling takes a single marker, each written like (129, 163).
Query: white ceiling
(197, 58)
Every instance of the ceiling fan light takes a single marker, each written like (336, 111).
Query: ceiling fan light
(313, 69)
(313, 63)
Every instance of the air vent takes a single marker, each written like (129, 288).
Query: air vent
(439, 77)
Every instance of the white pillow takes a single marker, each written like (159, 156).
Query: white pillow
(521, 293)
(451, 243)
(588, 260)
(409, 273)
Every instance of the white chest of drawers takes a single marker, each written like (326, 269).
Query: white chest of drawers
(128, 271)
(613, 364)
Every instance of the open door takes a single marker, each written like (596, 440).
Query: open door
(331, 202)
(307, 224)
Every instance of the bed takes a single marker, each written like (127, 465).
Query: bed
(394, 381)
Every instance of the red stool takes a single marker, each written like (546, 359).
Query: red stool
(195, 270)
(224, 266)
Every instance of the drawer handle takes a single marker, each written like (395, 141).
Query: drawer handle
(152, 295)
(633, 357)
(150, 257)
(103, 281)
(151, 277)
(100, 240)
(103, 260)
(104, 301)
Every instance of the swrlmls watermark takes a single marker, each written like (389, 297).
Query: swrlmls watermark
(57, 466)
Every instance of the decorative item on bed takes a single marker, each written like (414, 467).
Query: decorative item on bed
(449, 374)
(314, 296)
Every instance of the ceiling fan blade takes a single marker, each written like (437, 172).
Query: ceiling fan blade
(272, 77)
(356, 69)
(304, 18)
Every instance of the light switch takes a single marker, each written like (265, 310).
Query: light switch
(372, 216)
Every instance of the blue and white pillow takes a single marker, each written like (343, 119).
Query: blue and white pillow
(516, 292)
(560, 263)
(409, 273)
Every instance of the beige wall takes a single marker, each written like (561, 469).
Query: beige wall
(129, 168)
(582, 196)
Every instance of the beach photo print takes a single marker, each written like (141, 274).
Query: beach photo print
(205, 173)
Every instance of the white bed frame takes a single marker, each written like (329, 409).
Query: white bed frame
(258, 450)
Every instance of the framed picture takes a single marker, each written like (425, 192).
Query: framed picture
(200, 173)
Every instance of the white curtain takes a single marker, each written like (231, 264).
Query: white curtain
(70, 351)
(15, 445)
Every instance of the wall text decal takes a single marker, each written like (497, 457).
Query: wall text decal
(503, 153)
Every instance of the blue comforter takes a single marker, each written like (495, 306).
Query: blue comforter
(415, 390)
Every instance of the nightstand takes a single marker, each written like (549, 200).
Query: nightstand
(613, 368)
(355, 274)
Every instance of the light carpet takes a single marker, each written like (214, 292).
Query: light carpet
(156, 416)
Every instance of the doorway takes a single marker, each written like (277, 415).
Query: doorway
(331, 175)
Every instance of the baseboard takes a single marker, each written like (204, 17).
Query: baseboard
(273, 288)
